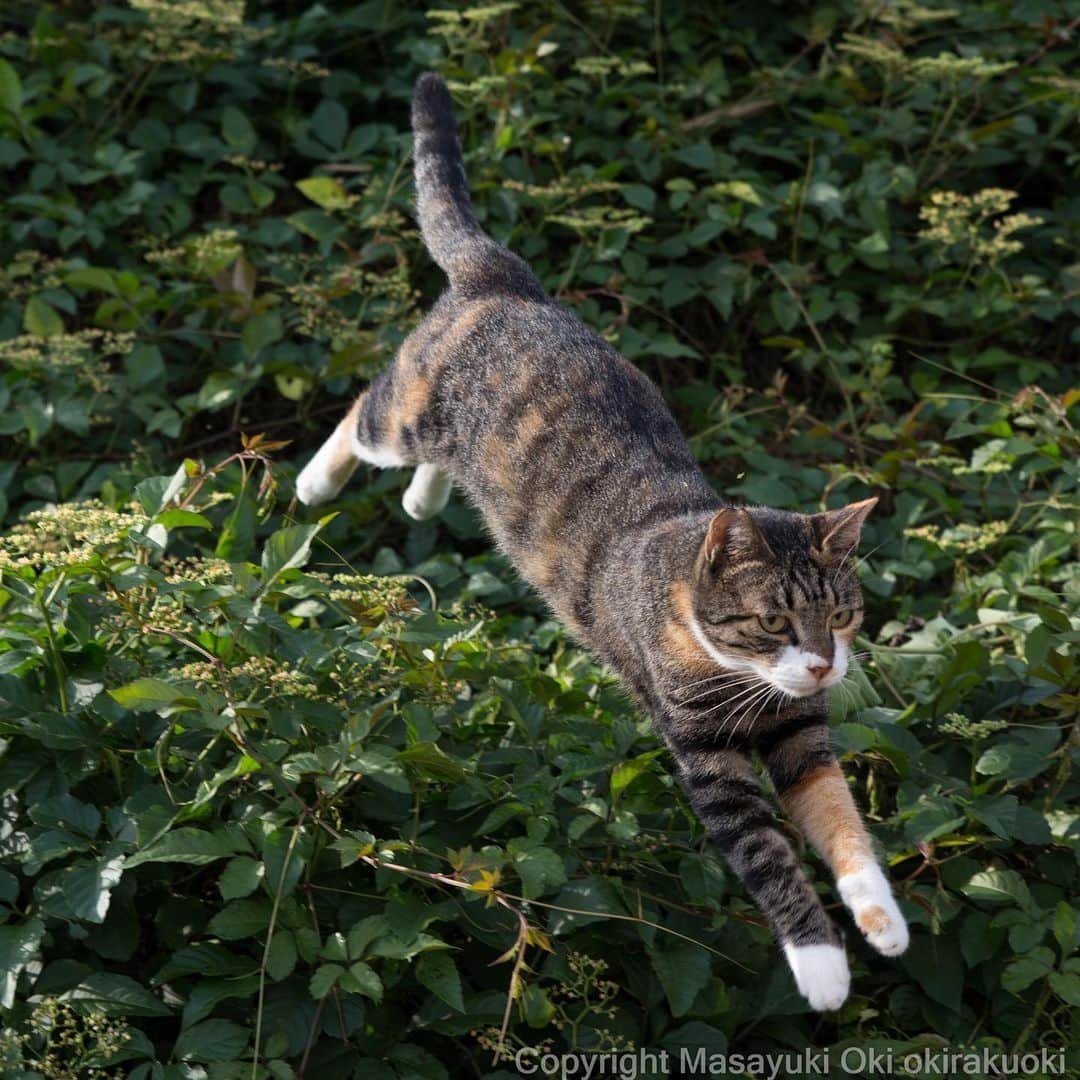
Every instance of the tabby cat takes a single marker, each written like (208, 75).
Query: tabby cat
(728, 623)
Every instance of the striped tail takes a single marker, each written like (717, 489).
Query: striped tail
(473, 262)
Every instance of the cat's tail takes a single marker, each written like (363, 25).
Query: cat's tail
(473, 262)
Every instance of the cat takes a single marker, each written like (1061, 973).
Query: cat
(727, 623)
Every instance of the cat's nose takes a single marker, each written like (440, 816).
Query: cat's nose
(820, 671)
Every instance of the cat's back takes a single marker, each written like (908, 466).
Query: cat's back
(530, 373)
(559, 440)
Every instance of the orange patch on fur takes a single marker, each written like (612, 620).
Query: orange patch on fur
(467, 321)
(412, 400)
(501, 454)
(822, 807)
(344, 460)
(873, 920)
(679, 640)
(539, 564)
(532, 423)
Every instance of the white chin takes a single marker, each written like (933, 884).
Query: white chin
(800, 691)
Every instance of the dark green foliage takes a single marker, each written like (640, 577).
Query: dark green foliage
(258, 793)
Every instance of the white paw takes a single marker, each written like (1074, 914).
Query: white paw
(417, 506)
(868, 894)
(427, 493)
(821, 974)
(313, 486)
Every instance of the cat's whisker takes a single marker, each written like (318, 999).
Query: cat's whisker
(761, 708)
(766, 690)
(711, 678)
(717, 689)
(746, 713)
(730, 702)
(717, 683)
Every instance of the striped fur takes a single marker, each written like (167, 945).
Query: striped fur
(721, 620)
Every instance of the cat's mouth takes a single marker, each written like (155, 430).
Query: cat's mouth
(802, 674)
(805, 688)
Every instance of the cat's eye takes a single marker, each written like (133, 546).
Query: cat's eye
(839, 619)
(773, 624)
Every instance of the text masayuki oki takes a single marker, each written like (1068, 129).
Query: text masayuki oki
(856, 1060)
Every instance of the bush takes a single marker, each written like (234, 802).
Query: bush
(286, 794)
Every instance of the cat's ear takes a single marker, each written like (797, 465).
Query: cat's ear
(836, 532)
(733, 535)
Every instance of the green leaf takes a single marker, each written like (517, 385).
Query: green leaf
(1066, 927)
(589, 901)
(240, 878)
(261, 331)
(92, 277)
(353, 846)
(536, 1007)
(286, 549)
(10, 89)
(936, 965)
(627, 771)
(683, 971)
(66, 812)
(1025, 970)
(1067, 987)
(361, 979)
(376, 764)
(18, 947)
(207, 993)
(326, 191)
(438, 972)
(999, 813)
(281, 956)
(41, 319)
(212, 1040)
(324, 979)
(640, 196)
(116, 995)
(241, 919)
(540, 869)
(87, 887)
(196, 847)
(238, 130)
(330, 122)
(183, 519)
(149, 695)
(999, 886)
(429, 761)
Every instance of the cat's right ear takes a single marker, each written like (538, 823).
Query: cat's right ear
(733, 536)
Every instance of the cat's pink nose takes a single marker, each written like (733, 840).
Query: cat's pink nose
(820, 671)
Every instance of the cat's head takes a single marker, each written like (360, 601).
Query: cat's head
(777, 595)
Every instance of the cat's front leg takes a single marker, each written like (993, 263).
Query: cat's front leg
(813, 790)
(725, 794)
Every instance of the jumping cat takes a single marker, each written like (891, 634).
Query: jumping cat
(728, 624)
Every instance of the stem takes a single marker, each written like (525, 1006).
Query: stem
(802, 204)
(848, 404)
(54, 656)
(269, 941)
(1040, 1005)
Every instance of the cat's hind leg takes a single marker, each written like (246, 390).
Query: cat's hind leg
(383, 429)
(329, 470)
(363, 435)
(427, 493)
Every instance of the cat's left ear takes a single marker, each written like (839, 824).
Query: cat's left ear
(836, 532)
